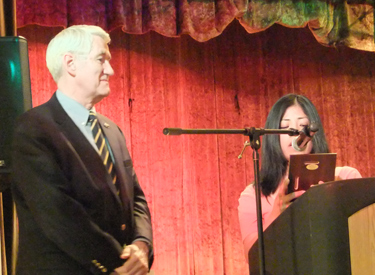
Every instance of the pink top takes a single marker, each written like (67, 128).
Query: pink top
(247, 208)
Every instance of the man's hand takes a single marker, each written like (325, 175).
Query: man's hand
(136, 256)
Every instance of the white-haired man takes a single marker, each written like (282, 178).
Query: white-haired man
(81, 209)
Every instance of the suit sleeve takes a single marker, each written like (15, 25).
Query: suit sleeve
(141, 212)
(43, 190)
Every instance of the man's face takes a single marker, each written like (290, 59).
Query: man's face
(92, 73)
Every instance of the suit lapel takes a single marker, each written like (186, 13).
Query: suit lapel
(83, 147)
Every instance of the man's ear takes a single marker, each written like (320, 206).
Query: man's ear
(68, 64)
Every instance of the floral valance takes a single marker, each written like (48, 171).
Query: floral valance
(333, 23)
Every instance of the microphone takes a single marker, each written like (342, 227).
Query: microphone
(305, 135)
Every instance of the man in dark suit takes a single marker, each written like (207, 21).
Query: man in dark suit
(80, 207)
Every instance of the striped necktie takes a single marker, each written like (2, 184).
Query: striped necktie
(102, 147)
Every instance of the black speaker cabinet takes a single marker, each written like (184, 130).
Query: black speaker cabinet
(15, 92)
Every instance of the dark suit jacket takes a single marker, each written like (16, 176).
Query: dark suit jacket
(71, 221)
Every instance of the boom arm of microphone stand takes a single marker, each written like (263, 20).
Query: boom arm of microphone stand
(179, 131)
(246, 131)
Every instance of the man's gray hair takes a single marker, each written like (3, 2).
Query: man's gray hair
(76, 40)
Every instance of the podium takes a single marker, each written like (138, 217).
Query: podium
(330, 229)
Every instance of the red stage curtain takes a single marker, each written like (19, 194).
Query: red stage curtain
(193, 182)
(332, 22)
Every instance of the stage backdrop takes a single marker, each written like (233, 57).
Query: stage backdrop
(193, 182)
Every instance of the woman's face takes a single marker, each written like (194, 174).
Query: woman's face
(294, 117)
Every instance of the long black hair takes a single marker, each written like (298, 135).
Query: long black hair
(273, 161)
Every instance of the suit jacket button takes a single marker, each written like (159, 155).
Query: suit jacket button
(123, 227)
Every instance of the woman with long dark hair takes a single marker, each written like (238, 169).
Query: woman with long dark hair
(290, 111)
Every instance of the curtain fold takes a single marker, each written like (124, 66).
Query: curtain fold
(332, 22)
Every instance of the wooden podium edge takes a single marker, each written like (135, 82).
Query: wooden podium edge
(362, 241)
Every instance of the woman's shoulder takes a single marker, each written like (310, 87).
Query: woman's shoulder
(249, 190)
(347, 172)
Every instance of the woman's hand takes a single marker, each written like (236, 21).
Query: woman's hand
(283, 200)
(337, 178)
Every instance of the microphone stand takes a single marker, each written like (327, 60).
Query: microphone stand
(254, 137)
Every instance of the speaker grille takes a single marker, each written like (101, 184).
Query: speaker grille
(15, 91)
